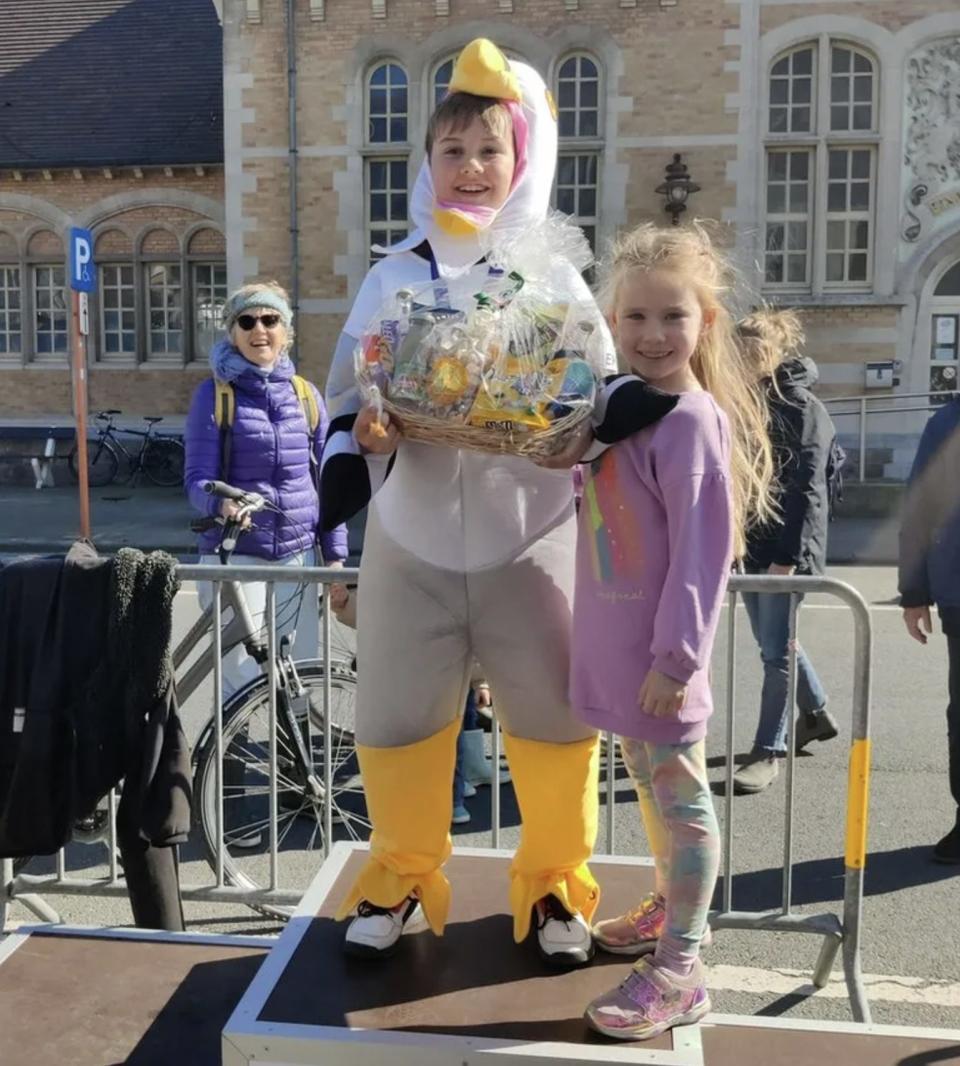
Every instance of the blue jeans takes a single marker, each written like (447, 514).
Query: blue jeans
(769, 614)
(470, 721)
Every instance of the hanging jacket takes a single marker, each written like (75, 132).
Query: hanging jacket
(930, 527)
(801, 431)
(87, 699)
(270, 454)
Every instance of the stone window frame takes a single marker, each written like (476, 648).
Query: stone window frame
(819, 143)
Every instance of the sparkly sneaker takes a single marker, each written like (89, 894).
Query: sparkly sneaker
(637, 931)
(649, 1002)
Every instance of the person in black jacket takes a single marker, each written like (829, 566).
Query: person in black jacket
(929, 573)
(801, 432)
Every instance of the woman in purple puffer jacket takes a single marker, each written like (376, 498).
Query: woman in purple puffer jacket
(270, 453)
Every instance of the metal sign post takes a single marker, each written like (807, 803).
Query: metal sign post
(83, 280)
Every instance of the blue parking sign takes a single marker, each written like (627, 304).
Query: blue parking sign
(83, 270)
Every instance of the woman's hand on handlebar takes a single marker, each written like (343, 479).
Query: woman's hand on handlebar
(374, 431)
(231, 511)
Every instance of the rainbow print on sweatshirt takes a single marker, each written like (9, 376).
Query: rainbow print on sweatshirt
(616, 547)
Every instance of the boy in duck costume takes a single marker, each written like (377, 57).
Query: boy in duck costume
(467, 555)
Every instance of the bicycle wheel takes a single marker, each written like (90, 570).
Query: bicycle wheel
(246, 799)
(102, 462)
(163, 462)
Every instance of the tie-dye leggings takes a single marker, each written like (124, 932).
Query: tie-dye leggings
(681, 824)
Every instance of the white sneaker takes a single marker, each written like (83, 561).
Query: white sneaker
(374, 933)
(563, 939)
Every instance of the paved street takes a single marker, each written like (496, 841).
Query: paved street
(911, 940)
(909, 926)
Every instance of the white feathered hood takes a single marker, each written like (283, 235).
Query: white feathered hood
(482, 69)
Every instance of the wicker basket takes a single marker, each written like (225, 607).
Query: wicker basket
(533, 444)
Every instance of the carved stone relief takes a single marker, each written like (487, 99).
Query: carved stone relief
(932, 139)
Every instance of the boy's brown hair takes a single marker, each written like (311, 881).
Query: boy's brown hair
(460, 109)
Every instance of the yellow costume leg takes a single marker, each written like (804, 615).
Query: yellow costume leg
(409, 793)
(557, 790)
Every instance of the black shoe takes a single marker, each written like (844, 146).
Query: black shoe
(815, 725)
(947, 850)
(564, 940)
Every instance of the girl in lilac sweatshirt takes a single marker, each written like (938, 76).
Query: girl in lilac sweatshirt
(661, 519)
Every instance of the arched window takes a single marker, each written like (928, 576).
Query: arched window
(118, 297)
(163, 285)
(206, 256)
(386, 154)
(11, 312)
(945, 332)
(820, 168)
(51, 319)
(387, 104)
(577, 189)
(441, 80)
(949, 284)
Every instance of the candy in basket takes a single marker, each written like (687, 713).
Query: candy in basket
(510, 368)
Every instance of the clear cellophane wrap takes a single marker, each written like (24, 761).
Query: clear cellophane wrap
(509, 364)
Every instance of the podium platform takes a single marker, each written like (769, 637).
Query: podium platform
(475, 997)
(79, 997)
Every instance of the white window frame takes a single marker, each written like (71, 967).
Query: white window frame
(200, 345)
(121, 355)
(435, 97)
(789, 216)
(166, 355)
(389, 115)
(394, 229)
(850, 216)
(819, 142)
(389, 153)
(579, 146)
(54, 357)
(578, 81)
(8, 286)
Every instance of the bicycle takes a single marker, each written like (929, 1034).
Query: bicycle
(246, 737)
(160, 458)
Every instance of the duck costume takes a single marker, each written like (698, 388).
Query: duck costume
(467, 555)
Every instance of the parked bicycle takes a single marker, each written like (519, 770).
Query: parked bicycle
(246, 735)
(160, 458)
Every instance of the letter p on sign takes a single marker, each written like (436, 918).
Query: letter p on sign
(83, 270)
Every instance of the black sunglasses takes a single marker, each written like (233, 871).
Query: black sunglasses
(247, 322)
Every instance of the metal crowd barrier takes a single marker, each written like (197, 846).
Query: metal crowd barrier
(836, 932)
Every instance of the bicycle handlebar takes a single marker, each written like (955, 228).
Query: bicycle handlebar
(224, 491)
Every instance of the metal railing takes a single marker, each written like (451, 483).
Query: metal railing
(861, 412)
(837, 931)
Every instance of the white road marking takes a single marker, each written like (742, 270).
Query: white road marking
(931, 992)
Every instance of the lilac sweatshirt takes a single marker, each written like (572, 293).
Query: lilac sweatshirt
(653, 555)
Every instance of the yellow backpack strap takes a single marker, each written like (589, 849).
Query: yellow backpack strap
(224, 408)
(308, 401)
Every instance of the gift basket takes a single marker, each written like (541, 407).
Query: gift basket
(509, 365)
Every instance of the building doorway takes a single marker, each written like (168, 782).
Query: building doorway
(944, 320)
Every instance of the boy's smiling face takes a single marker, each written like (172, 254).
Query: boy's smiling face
(472, 164)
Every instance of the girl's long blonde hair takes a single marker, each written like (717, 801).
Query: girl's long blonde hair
(768, 336)
(692, 257)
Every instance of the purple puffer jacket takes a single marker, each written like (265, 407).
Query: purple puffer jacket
(270, 454)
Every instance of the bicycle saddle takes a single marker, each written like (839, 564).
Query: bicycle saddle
(113, 411)
(153, 418)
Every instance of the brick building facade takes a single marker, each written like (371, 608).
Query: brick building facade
(825, 134)
(111, 120)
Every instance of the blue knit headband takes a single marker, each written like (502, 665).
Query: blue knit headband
(236, 305)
